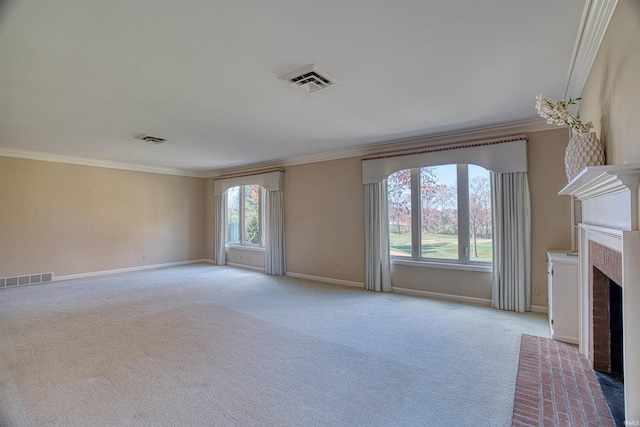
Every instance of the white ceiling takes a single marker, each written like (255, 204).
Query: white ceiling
(82, 78)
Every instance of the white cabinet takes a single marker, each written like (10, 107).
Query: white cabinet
(563, 296)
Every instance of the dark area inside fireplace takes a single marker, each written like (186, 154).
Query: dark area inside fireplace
(612, 379)
(615, 328)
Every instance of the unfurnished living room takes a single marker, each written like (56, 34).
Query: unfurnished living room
(319, 213)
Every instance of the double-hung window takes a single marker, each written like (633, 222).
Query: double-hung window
(441, 214)
(245, 215)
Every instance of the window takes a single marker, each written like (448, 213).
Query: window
(245, 215)
(441, 213)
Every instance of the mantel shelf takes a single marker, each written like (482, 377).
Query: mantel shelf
(598, 181)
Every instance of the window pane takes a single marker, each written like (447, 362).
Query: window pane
(233, 215)
(439, 212)
(480, 231)
(252, 214)
(399, 196)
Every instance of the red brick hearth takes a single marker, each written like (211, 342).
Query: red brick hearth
(557, 387)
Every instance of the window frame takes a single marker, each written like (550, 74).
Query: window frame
(463, 262)
(242, 244)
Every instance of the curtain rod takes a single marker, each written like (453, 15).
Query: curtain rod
(449, 147)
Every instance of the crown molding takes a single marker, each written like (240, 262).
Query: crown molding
(86, 161)
(535, 125)
(498, 131)
(593, 26)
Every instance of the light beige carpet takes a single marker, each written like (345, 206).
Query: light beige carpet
(203, 345)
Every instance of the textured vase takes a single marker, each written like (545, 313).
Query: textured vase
(583, 150)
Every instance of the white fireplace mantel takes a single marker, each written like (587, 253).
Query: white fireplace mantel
(610, 217)
(609, 195)
(598, 181)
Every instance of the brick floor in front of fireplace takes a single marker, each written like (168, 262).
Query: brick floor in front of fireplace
(556, 386)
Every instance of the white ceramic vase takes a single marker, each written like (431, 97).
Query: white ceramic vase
(583, 150)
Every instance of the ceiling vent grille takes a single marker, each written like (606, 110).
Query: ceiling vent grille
(150, 139)
(311, 78)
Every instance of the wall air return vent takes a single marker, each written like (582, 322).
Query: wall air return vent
(150, 139)
(311, 78)
(29, 279)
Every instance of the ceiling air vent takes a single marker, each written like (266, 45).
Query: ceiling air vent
(150, 139)
(311, 78)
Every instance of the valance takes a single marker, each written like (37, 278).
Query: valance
(502, 155)
(271, 180)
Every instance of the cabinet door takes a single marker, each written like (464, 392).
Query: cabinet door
(563, 300)
(550, 293)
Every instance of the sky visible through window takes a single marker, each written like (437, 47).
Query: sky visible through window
(449, 175)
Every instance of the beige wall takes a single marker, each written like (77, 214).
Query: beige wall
(612, 90)
(324, 219)
(550, 213)
(246, 257)
(72, 219)
(473, 284)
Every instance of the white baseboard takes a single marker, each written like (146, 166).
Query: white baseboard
(540, 309)
(570, 340)
(459, 298)
(446, 297)
(248, 267)
(415, 292)
(126, 270)
(326, 280)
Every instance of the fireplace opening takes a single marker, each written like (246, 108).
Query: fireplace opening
(615, 328)
(608, 355)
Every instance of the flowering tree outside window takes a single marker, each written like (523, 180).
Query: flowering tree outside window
(436, 222)
(399, 195)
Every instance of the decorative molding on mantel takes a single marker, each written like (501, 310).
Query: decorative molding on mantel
(599, 181)
(593, 26)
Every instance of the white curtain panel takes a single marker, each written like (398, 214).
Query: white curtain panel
(275, 259)
(219, 202)
(511, 241)
(376, 223)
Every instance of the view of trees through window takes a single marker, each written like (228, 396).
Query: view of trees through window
(480, 229)
(244, 215)
(252, 214)
(438, 215)
(233, 215)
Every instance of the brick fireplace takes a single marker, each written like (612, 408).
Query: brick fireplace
(609, 273)
(605, 272)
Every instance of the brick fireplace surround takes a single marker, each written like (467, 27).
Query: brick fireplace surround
(609, 248)
(604, 264)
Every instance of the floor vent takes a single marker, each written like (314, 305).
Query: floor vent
(311, 78)
(29, 279)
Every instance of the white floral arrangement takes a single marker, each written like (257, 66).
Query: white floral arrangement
(557, 112)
